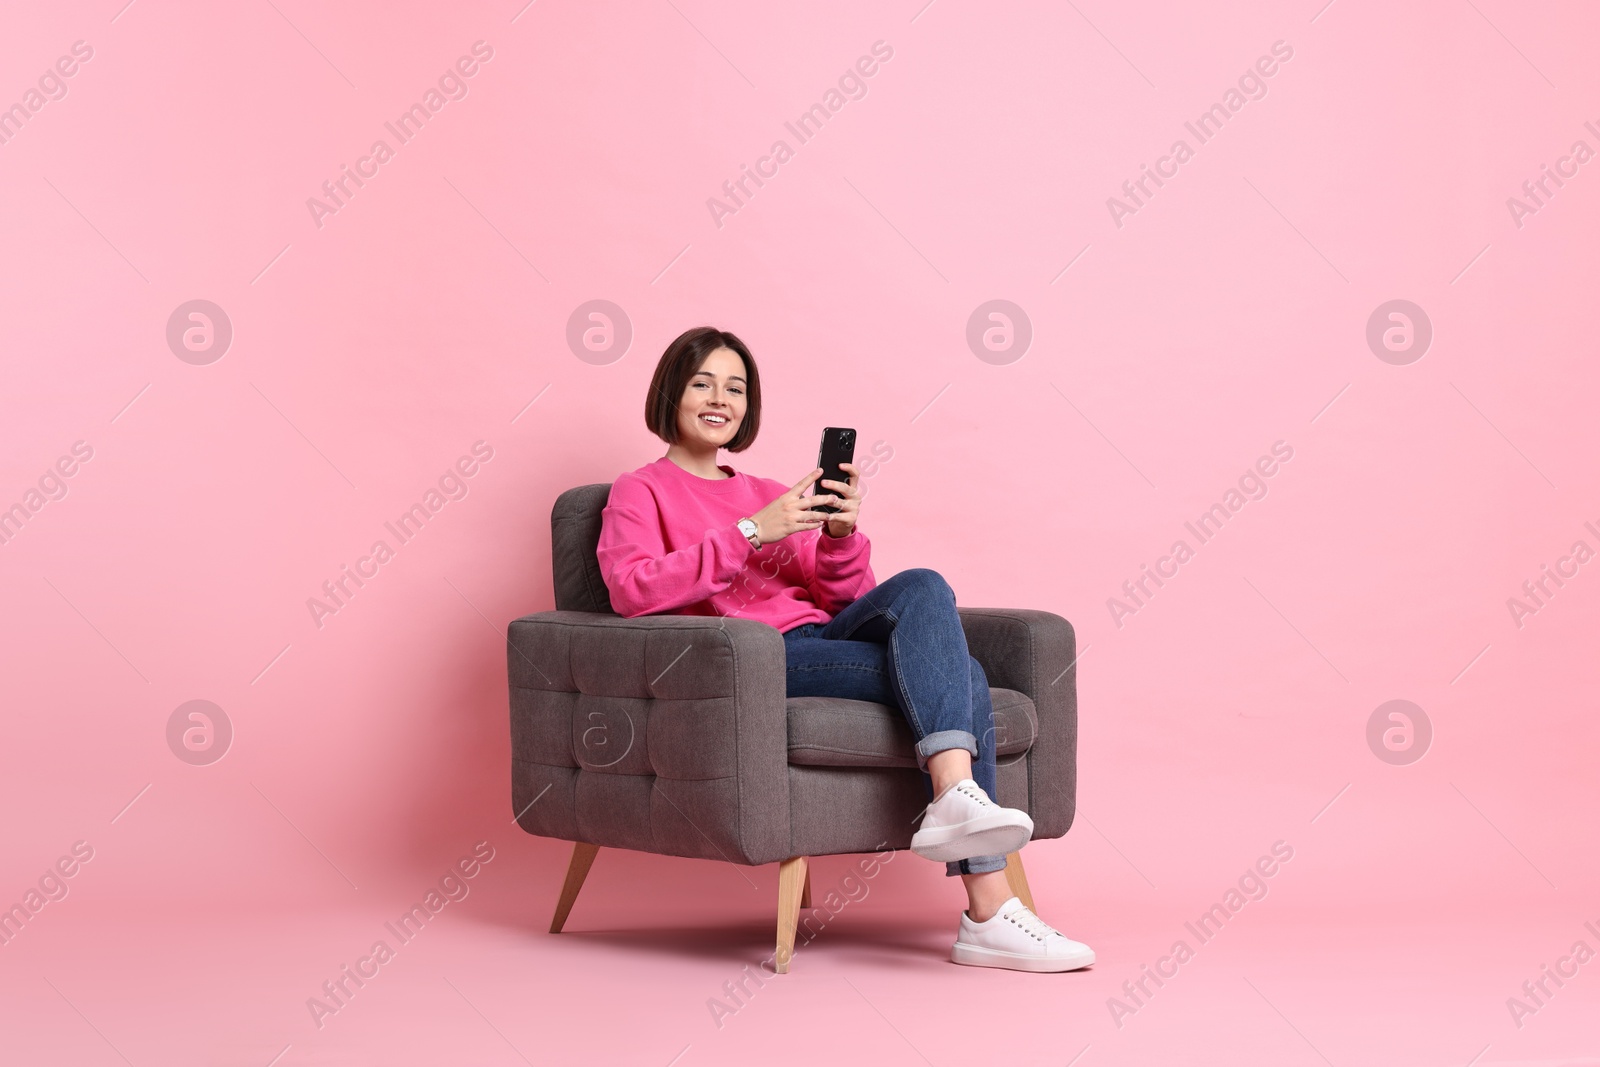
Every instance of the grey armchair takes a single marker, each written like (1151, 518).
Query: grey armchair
(672, 734)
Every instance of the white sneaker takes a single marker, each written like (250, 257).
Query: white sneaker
(962, 822)
(1016, 938)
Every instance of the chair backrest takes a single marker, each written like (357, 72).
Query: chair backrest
(574, 535)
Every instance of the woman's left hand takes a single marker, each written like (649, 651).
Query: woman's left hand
(848, 501)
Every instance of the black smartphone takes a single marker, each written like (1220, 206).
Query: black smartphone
(838, 446)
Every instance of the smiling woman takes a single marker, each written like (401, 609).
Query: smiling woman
(707, 389)
(686, 535)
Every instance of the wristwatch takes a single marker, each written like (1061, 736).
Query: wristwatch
(751, 531)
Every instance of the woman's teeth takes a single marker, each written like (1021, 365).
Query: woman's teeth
(714, 420)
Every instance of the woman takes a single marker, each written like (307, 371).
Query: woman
(686, 536)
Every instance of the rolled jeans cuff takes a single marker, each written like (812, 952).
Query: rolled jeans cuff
(945, 739)
(975, 865)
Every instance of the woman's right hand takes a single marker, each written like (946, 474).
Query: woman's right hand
(791, 512)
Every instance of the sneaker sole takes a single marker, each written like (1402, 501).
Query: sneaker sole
(990, 835)
(978, 956)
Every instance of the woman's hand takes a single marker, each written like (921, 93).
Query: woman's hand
(848, 501)
(791, 513)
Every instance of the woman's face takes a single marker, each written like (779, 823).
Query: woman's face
(713, 403)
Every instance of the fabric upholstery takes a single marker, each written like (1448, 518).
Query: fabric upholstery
(664, 733)
(574, 534)
(832, 732)
(673, 734)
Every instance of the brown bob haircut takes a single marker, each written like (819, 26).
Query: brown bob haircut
(679, 363)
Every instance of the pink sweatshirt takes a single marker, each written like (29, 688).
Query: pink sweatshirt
(669, 545)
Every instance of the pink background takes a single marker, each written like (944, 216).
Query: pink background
(368, 354)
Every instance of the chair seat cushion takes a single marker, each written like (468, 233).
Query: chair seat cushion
(834, 732)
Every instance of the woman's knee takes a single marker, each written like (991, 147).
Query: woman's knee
(925, 578)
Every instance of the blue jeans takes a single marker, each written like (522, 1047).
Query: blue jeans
(902, 645)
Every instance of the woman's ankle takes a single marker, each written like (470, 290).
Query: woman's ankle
(985, 893)
(948, 767)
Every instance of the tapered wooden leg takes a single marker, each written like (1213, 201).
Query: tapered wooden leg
(805, 891)
(791, 884)
(1018, 879)
(582, 858)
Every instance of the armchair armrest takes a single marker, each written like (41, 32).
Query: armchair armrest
(662, 733)
(1035, 653)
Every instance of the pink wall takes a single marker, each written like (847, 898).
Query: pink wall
(1170, 348)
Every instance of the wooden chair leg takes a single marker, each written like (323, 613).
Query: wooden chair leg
(792, 878)
(805, 890)
(582, 859)
(1018, 879)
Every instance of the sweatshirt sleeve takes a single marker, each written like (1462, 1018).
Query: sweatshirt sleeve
(842, 570)
(641, 575)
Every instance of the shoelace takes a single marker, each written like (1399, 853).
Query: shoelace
(1031, 924)
(974, 791)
